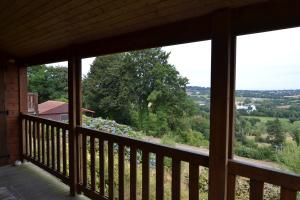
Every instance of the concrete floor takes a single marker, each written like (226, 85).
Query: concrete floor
(28, 182)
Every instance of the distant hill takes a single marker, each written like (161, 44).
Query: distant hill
(274, 94)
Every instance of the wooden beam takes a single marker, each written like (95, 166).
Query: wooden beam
(190, 30)
(220, 101)
(266, 16)
(74, 77)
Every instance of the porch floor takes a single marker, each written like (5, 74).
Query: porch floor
(28, 182)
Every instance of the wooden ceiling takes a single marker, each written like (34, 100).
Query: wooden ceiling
(30, 27)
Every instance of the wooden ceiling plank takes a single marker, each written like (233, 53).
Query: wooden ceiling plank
(19, 15)
(38, 14)
(116, 20)
(179, 32)
(46, 27)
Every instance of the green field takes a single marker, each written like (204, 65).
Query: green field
(265, 119)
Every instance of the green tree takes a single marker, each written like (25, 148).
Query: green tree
(275, 132)
(51, 83)
(139, 88)
(108, 88)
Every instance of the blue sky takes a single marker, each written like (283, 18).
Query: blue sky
(265, 61)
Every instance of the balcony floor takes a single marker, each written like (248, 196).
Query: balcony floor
(28, 182)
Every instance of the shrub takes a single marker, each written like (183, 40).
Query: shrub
(290, 157)
(258, 153)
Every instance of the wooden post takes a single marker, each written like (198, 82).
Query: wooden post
(220, 103)
(74, 79)
(232, 178)
(22, 70)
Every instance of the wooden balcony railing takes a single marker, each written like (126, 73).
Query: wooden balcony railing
(103, 157)
(116, 145)
(46, 145)
(289, 183)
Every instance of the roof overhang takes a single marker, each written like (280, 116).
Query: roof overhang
(64, 34)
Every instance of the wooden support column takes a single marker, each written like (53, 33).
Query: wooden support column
(22, 70)
(231, 183)
(220, 104)
(74, 82)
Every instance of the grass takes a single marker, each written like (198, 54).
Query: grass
(265, 119)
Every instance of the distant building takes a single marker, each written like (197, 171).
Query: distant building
(248, 107)
(55, 110)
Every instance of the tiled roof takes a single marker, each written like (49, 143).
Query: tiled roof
(55, 107)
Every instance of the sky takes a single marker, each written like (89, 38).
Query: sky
(264, 61)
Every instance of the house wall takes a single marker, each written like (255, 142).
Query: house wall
(14, 90)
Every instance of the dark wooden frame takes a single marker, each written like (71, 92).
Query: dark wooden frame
(222, 27)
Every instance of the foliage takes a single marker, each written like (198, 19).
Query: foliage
(290, 157)
(254, 152)
(51, 83)
(276, 135)
(141, 89)
(111, 126)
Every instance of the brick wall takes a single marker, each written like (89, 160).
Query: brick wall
(15, 102)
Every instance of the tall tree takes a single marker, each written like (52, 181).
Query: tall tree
(51, 83)
(275, 132)
(139, 88)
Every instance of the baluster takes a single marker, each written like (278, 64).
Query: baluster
(101, 166)
(145, 175)
(176, 179)
(38, 141)
(92, 153)
(48, 144)
(121, 172)
(132, 173)
(34, 138)
(30, 139)
(64, 152)
(286, 194)
(159, 177)
(193, 181)
(84, 162)
(110, 170)
(43, 142)
(256, 190)
(58, 148)
(26, 137)
(52, 147)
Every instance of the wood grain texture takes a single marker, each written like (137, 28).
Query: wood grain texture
(220, 101)
(48, 25)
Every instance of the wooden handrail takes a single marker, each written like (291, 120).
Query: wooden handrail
(184, 155)
(264, 174)
(45, 121)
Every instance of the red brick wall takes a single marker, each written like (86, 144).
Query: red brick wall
(13, 96)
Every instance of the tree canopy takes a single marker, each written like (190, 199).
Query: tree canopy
(51, 83)
(139, 88)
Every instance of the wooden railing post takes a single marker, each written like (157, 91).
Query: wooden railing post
(220, 104)
(22, 77)
(74, 88)
(231, 182)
